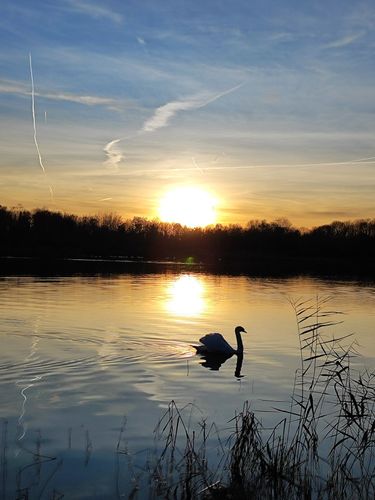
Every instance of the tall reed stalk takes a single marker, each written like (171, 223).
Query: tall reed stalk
(322, 448)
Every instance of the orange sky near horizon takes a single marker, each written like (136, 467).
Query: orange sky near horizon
(310, 203)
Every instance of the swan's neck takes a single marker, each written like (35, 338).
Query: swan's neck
(239, 343)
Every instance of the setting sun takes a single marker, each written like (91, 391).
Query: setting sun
(190, 206)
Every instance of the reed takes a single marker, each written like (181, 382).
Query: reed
(322, 448)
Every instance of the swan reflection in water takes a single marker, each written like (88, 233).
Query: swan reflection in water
(214, 361)
(215, 350)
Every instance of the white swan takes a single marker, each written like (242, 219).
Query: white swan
(215, 343)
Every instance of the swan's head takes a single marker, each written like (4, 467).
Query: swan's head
(240, 329)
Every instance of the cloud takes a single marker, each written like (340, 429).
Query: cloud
(10, 87)
(88, 100)
(114, 155)
(334, 214)
(18, 88)
(344, 41)
(95, 11)
(161, 118)
(283, 37)
(165, 113)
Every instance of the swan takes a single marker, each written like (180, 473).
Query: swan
(215, 343)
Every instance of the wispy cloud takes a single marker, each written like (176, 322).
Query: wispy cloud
(344, 41)
(11, 87)
(114, 155)
(283, 36)
(18, 88)
(95, 11)
(165, 113)
(88, 100)
(159, 119)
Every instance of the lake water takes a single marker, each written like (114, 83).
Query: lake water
(80, 353)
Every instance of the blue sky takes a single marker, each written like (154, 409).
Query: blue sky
(269, 105)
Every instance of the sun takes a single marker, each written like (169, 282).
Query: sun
(189, 206)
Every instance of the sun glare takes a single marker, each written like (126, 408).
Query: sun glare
(186, 296)
(189, 206)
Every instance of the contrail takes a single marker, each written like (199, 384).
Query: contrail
(114, 155)
(196, 164)
(34, 123)
(354, 162)
(222, 94)
(161, 118)
(163, 114)
(363, 160)
(33, 114)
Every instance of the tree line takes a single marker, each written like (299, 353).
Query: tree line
(44, 233)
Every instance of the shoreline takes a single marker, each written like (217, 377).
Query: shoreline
(255, 266)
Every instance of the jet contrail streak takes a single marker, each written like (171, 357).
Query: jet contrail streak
(161, 118)
(354, 162)
(34, 123)
(33, 115)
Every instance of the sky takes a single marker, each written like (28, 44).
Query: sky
(267, 105)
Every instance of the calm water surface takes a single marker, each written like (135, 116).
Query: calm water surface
(81, 353)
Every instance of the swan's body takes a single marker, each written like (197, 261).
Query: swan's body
(215, 343)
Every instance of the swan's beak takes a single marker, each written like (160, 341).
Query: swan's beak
(244, 331)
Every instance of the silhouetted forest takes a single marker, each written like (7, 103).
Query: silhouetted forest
(42, 233)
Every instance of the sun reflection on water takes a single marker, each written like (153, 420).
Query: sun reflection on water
(186, 296)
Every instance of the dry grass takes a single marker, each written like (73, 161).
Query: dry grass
(322, 448)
